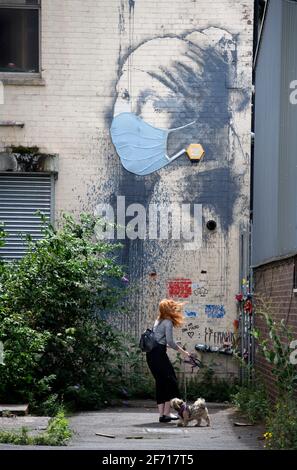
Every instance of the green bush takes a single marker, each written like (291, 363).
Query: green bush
(252, 401)
(281, 425)
(139, 382)
(20, 377)
(276, 351)
(57, 434)
(53, 305)
(20, 437)
(281, 422)
(207, 385)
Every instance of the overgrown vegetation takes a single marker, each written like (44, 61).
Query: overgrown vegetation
(280, 415)
(57, 344)
(207, 385)
(252, 400)
(281, 425)
(57, 433)
(276, 350)
(138, 381)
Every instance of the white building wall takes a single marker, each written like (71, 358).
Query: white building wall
(91, 51)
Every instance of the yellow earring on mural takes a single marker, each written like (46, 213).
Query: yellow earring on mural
(195, 152)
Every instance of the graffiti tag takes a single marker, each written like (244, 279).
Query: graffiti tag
(189, 329)
(217, 337)
(215, 311)
(202, 291)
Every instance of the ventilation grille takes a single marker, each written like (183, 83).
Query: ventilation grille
(20, 197)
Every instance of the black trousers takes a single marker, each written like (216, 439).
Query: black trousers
(164, 375)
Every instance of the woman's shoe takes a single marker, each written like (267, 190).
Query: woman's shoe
(164, 419)
(173, 417)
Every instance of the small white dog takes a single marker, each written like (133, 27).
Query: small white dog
(197, 411)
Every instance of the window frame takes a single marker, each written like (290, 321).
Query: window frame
(18, 6)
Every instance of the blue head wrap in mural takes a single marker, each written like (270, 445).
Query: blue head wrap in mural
(141, 147)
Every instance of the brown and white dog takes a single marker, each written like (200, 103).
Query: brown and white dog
(197, 411)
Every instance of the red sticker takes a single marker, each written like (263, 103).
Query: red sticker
(181, 288)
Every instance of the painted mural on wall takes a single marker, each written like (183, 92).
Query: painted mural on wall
(165, 101)
(184, 90)
(172, 90)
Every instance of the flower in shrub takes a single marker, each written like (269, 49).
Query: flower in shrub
(236, 324)
(248, 307)
(267, 436)
(239, 297)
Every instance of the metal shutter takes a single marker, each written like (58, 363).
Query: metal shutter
(21, 195)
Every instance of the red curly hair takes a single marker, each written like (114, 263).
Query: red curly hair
(170, 309)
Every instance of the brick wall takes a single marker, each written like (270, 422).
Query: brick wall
(274, 282)
(93, 50)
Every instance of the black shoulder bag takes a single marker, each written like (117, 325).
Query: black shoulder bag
(148, 340)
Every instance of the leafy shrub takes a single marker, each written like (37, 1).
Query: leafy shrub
(276, 350)
(281, 422)
(207, 385)
(57, 434)
(252, 401)
(281, 426)
(19, 376)
(20, 437)
(52, 308)
(48, 407)
(138, 381)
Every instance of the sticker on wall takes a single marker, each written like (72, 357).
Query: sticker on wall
(179, 288)
(191, 313)
(142, 147)
(215, 311)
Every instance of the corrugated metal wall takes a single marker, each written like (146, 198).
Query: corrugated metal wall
(20, 197)
(266, 150)
(287, 186)
(275, 157)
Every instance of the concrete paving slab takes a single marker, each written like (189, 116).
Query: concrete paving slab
(138, 428)
(18, 410)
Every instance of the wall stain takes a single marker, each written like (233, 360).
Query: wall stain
(131, 6)
(122, 23)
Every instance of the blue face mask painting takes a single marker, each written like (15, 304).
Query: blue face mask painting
(141, 147)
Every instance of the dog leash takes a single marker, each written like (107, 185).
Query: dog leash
(194, 362)
(185, 382)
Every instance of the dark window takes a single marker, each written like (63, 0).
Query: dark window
(19, 36)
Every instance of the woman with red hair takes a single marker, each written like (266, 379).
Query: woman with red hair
(170, 316)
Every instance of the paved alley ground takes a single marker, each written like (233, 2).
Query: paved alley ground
(136, 426)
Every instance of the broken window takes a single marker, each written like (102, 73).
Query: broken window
(19, 36)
